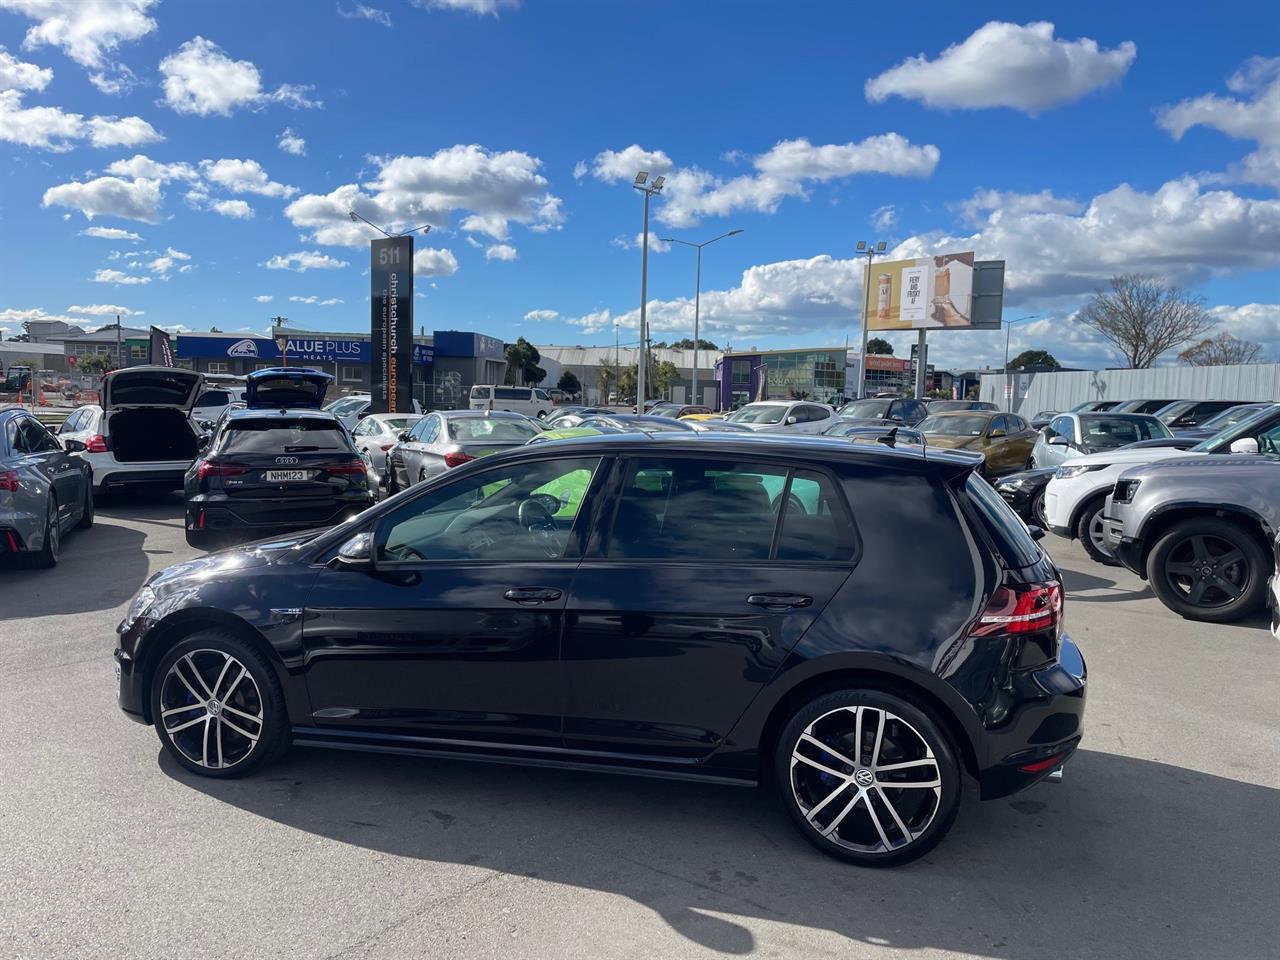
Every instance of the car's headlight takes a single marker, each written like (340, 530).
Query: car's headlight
(1067, 471)
(1125, 490)
(139, 605)
(1011, 483)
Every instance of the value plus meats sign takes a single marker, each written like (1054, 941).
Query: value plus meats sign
(391, 324)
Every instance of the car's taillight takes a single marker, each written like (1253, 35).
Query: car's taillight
(96, 444)
(211, 468)
(9, 480)
(1022, 608)
(456, 459)
(345, 468)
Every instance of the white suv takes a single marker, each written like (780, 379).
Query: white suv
(142, 433)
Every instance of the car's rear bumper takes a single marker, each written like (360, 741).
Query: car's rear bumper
(223, 515)
(1043, 728)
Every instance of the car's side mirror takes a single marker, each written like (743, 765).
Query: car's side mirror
(74, 446)
(897, 418)
(1244, 445)
(1059, 442)
(1037, 533)
(998, 432)
(403, 436)
(791, 420)
(355, 554)
(203, 442)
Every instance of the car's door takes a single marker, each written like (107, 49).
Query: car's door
(1055, 453)
(409, 453)
(58, 470)
(1023, 440)
(690, 596)
(456, 632)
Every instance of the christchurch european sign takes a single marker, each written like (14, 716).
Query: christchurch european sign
(391, 323)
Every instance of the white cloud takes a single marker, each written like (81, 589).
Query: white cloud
(109, 197)
(1006, 65)
(434, 262)
(17, 74)
(290, 142)
(244, 176)
(410, 190)
(52, 128)
(1252, 321)
(539, 316)
(656, 243)
(264, 298)
(579, 169)
(500, 251)
(201, 79)
(1256, 118)
(236, 209)
(104, 310)
(116, 276)
(613, 165)
(305, 260)
(316, 301)
(109, 233)
(985, 202)
(470, 6)
(161, 265)
(362, 12)
(115, 80)
(85, 30)
(884, 218)
(141, 166)
(495, 225)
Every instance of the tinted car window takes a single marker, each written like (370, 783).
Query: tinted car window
(72, 423)
(34, 438)
(213, 398)
(1100, 432)
(1062, 427)
(479, 393)
(280, 435)
(511, 393)
(419, 431)
(866, 409)
(520, 511)
(1007, 531)
(696, 510)
(484, 428)
(815, 525)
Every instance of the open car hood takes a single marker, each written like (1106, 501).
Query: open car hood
(150, 386)
(286, 388)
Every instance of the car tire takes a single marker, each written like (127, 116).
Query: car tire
(1089, 531)
(1175, 569)
(47, 556)
(848, 810)
(191, 683)
(1037, 511)
(392, 487)
(86, 511)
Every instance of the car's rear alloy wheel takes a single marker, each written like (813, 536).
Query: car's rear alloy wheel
(217, 707)
(1089, 532)
(869, 777)
(1209, 569)
(52, 549)
(86, 512)
(1038, 511)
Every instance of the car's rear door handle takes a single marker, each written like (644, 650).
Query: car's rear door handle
(779, 601)
(532, 595)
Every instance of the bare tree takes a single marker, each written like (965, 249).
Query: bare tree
(1144, 317)
(1220, 351)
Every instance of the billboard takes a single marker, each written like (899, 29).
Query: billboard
(927, 293)
(391, 323)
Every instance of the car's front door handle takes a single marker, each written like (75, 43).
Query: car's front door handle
(532, 595)
(779, 601)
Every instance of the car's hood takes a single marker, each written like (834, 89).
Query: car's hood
(1125, 455)
(1206, 464)
(950, 441)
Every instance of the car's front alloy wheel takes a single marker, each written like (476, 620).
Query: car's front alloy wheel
(1209, 569)
(869, 777)
(1090, 533)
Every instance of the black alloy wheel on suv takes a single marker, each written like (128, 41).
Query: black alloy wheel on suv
(533, 606)
(1209, 569)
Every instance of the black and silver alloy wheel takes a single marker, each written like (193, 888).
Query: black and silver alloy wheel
(1038, 511)
(211, 708)
(217, 705)
(1209, 569)
(869, 777)
(1090, 533)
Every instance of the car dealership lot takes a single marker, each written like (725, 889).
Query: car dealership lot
(1160, 842)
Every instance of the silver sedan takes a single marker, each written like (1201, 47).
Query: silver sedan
(377, 433)
(450, 438)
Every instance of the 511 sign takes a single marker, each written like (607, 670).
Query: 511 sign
(391, 323)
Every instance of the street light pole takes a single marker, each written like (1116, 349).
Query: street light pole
(1008, 328)
(648, 189)
(697, 295)
(870, 249)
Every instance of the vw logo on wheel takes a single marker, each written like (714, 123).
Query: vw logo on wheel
(864, 777)
(286, 459)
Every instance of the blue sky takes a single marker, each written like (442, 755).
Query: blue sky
(231, 137)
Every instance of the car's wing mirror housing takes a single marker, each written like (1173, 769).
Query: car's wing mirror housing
(1244, 445)
(1059, 442)
(791, 420)
(998, 432)
(355, 554)
(403, 436)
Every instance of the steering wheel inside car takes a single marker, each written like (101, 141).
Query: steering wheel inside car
(538, 521)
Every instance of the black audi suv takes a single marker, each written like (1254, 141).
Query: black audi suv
(279, 464)
(863, 625)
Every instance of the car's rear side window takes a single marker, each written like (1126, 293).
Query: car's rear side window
(284, 436)
(815, 525)
(1008, 532)
(512, 393)
(479, 393)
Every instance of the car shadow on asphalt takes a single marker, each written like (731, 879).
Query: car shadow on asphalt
(1077, 582)
(99, 568)
(1128, 857)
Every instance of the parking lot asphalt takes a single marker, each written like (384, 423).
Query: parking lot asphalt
(1162, 841)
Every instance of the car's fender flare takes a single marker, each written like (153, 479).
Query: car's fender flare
(1211, 507)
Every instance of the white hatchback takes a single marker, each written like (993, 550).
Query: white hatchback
(784, 416)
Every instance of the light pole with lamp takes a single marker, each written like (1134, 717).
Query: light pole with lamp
(648, 190)
(356, 218)
(1008, 386)
(697, 295)
(869, 250)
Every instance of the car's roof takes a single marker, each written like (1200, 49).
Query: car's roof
(396, 416)
(1111, 415)
(486, 414)
(772, 403)
(968, 413)
(808, 447)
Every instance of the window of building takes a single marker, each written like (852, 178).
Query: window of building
(741, 373)
(219, 366)
(351, 374)
(137, 352)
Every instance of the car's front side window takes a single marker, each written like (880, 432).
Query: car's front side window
(520, 511)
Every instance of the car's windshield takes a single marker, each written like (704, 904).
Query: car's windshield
(1244, 428)
(664, 412)
(954, 426)
(1103, 432)
(484, 428)
(941, 406)
(866, 409)
(759, 413)
(1231, 416)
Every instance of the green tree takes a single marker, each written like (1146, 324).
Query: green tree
(1034, 358)
(627, 382)
(94, 363)
(606, 382)
(664, 375)
(569, 383)
(687, 344)
(522, 364)
(880, 346)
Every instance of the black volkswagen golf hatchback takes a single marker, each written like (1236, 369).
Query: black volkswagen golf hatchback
(864, 626)
(279, 464)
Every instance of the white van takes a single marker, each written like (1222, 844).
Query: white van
(530, 401)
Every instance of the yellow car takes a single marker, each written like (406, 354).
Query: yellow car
(1005, 440)
(702, 416)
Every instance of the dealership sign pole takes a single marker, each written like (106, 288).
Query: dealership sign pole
(391, 323)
